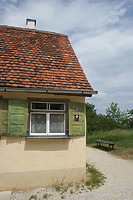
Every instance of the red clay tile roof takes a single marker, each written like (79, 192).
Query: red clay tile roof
(38, 59)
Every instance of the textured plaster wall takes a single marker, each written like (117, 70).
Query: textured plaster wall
(34, 163)
(27, 164)
(18, 154)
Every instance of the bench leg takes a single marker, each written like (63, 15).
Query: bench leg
(111, 145)
(98, 144)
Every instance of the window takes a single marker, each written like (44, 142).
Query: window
(47, 118)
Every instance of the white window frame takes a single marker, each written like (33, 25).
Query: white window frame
(48, 112)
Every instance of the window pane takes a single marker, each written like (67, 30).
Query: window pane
(40, 106)
(38, 123)
(56, 106)
(56, 123)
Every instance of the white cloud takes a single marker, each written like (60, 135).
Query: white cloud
(71, 16)
(107, 58)
(101, 34)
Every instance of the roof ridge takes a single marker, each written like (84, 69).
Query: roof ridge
(33, 30)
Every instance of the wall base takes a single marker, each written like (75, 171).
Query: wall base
(34, 179)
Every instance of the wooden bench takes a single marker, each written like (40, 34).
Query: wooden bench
(111, 144)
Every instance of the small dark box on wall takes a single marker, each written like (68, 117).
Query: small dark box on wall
(76, 117)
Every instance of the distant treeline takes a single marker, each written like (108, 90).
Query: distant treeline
(113, 119)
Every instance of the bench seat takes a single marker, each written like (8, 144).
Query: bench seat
(111, 144)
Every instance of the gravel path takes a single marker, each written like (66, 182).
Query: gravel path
(118, 185)
(119, 174)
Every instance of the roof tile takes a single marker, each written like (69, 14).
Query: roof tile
(38, 59)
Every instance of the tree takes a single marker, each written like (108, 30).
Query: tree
(91, 117)
(114, 113)
(98, 122)
(130, 112)
(113, 119)
(106, 124)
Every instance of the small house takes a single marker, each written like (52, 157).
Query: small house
(42, 110)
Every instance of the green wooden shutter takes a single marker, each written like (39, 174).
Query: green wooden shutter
(17, 117)
(3, 116)
(76, 127)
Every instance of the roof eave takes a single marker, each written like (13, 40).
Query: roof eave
(86, 93)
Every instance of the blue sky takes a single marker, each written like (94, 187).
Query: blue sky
(101, 33)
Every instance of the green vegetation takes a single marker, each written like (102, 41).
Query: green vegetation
(130, 112)
(96, 179)
(115, 126)
(33, 197)
(71, 191)
(123, 138)
(114, 112)
(45, 196)
(57, 188)
(113, 119)
(62, 196)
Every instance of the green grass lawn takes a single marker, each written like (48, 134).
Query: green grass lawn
(123, 138)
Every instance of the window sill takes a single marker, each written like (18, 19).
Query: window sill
(47, 137)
